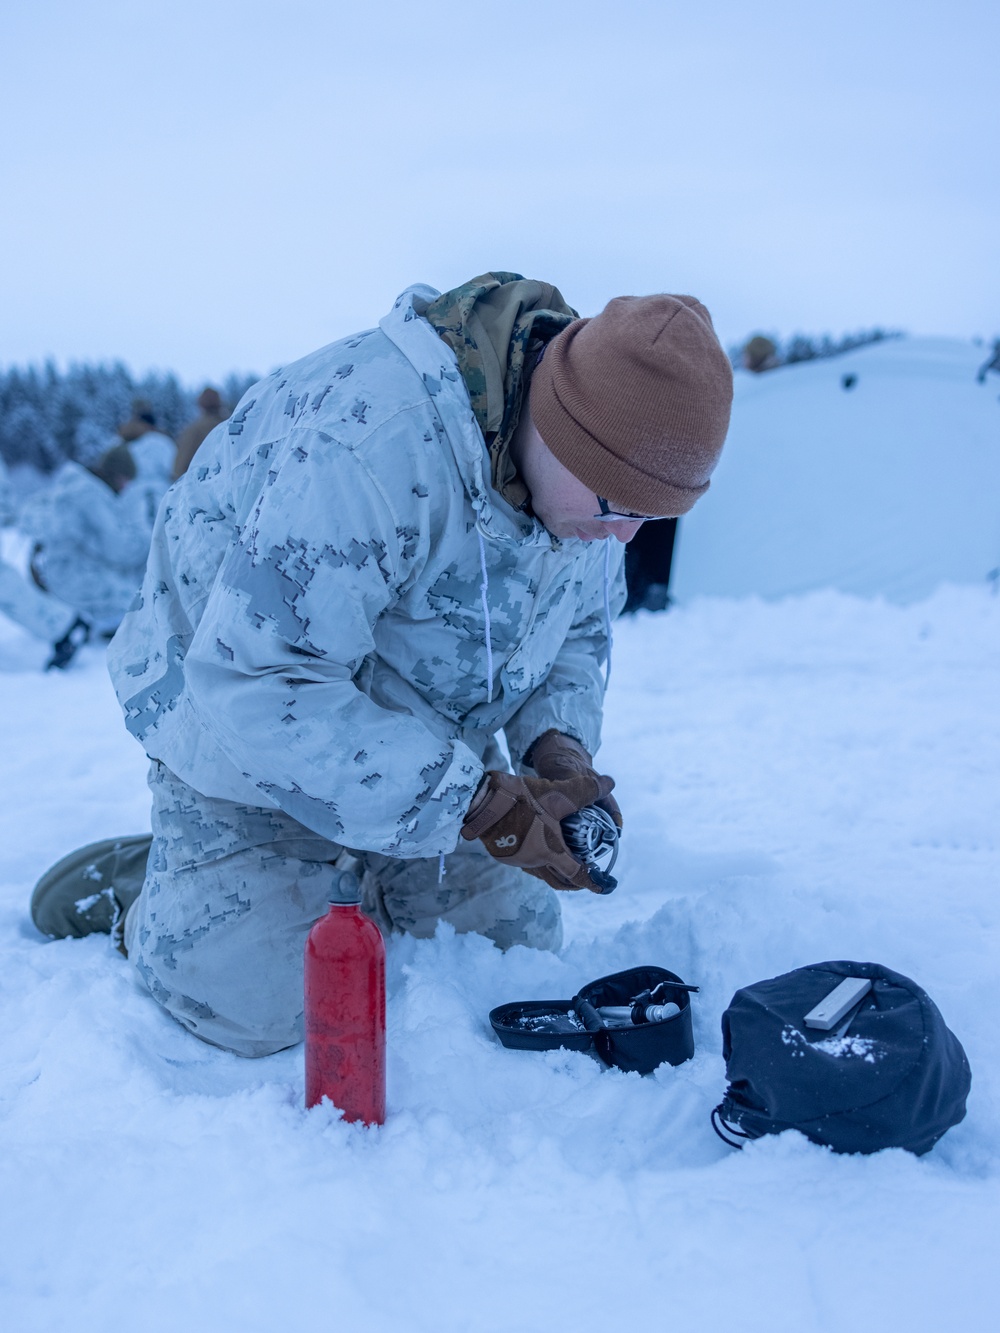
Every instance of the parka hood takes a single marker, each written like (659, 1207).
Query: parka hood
(496, 324)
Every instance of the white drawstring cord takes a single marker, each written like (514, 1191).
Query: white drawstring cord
(441, 870)
(607, 606)
(484, 589)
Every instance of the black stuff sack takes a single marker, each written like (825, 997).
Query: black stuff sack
(887, 1073)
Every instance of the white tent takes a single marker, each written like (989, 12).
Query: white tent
(890, 486)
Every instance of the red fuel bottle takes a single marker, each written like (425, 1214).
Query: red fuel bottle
(345, 1008)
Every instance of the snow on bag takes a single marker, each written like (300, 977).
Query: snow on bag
(884, 1073)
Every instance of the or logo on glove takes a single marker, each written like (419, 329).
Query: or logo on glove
(518, 820)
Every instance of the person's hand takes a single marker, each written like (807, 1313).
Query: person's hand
(557, 756)
(518, 821)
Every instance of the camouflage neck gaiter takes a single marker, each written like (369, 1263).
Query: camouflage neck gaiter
(496, 325)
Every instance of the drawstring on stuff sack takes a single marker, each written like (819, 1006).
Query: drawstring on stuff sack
(729, 1134)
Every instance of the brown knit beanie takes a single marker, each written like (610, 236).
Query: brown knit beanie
(635, 402)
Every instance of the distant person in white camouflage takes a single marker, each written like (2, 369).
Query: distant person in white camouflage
(23, 602)
(153, 452)
(396, 555)
(90, 546)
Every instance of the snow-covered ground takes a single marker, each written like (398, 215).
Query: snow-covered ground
(810, 779)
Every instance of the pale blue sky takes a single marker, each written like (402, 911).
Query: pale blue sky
(228, 184)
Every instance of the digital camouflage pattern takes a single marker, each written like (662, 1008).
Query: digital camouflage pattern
(213, 911)
(496, 325)
(311, 634)
(218, 932)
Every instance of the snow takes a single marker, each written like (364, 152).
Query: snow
(801, 780)
(889, 487)
(850, 1047)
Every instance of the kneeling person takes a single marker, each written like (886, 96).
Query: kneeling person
(398, 550)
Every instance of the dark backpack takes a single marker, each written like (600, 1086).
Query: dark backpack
(890, 1075)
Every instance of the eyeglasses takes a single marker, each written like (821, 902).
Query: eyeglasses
(609, 515)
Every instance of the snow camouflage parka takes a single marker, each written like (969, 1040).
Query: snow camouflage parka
(153, 454)
(315, 633)
(91, 546)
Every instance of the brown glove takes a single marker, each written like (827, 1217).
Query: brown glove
(518, 822)
(555, 755)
